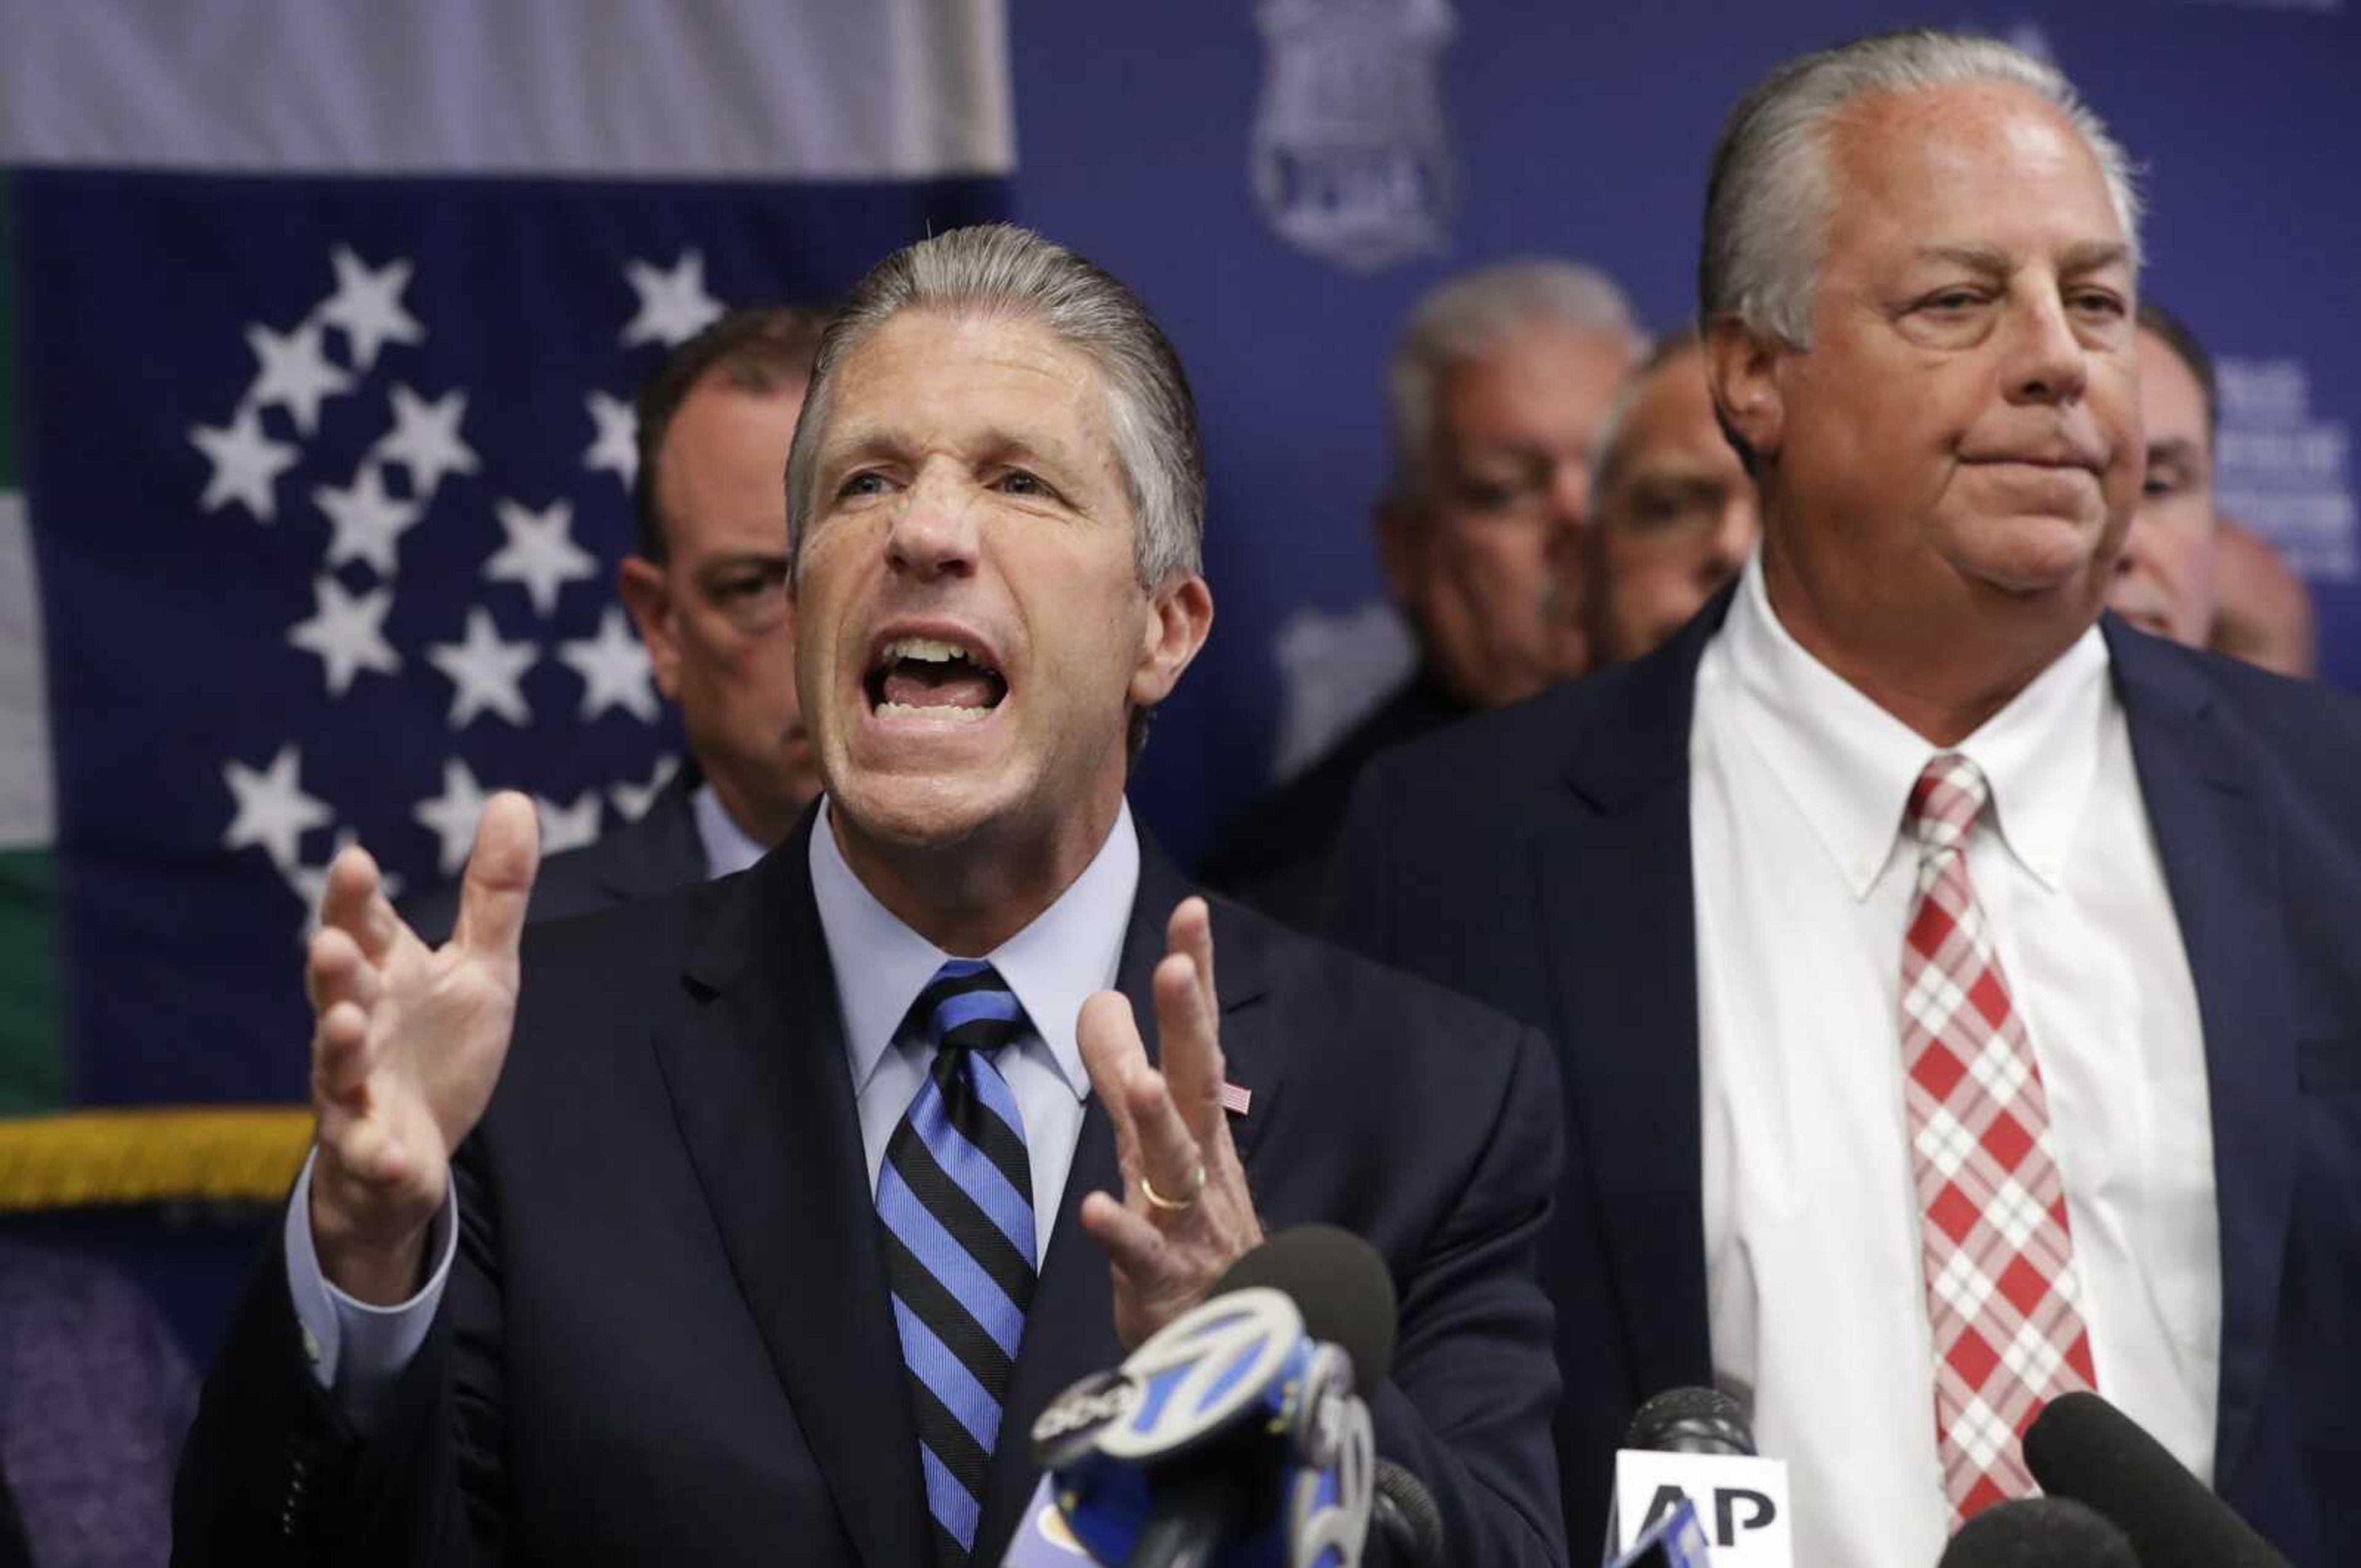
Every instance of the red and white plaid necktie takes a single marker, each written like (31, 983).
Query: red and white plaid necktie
(2001, 1289)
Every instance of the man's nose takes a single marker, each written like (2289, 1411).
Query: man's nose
(2047, 363)
(934, 531)
(1568, 493)
(1733, 536)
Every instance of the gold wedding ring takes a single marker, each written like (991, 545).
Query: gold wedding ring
(1173, 1205)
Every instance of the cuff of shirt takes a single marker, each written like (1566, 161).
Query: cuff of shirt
(357, 1349)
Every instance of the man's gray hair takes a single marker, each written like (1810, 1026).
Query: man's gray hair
(1770, 197)
(1464, 317)
(1001, 270)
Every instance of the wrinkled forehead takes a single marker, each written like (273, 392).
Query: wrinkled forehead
(1958, 161)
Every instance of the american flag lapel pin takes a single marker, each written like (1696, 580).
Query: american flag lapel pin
(1237, 1099)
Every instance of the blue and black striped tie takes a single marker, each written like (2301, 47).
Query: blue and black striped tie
(956, 1198)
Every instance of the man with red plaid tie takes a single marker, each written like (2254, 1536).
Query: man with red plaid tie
(1955, 988)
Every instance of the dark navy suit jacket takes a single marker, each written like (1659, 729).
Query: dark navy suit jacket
(667, 1338)
(1538, 858)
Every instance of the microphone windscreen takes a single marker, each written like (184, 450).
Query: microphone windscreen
(2082, 1447)
(1340, 1285)
(2039, 1533)
(1691, 1420)
(1405, 1516)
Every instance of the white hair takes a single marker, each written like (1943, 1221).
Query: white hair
(1465, 317)
(999, 269)
(1770, 196)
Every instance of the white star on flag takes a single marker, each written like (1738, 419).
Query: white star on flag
(347, 633)
(632, 800)
(273, 809)
(673, 306)
(247, 464)
(565, 828)
(425, 439)
(368, 305)
(540, 552)
(614, 669)
(294, 372)
(484, 672)
(617, 447)
(451, 816)
(368, 522)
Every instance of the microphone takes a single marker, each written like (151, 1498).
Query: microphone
(2039, 1533)
(1695, 1446)
(1233, 1435)
(1691, 1420)
(1674, 1540)
(1404, 1516)
(2082, 1447)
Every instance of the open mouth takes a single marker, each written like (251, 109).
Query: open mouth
(929, 677)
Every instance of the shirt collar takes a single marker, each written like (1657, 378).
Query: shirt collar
(727, 847)
(1848, 765)
(1054, 965)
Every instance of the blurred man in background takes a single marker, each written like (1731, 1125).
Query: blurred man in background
(707, 588)
(1673, 516)
(2164, 578)
(2187, 573)
(1496, 397)
(2262, 610)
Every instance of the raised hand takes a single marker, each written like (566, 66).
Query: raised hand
(407, 1043)
(1185, 1214)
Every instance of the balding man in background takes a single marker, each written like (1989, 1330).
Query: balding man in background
(1496, 396)
(1953, 988)
(708, 589)
(1673, 517)
(2164, 578)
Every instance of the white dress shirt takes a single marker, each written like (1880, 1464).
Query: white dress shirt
(1070, 951)
(728, 847)
(1804, 879)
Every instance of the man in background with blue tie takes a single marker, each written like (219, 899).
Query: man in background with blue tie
(756, 1225)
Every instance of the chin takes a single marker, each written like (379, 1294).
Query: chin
(2032, 555)
(917, 810)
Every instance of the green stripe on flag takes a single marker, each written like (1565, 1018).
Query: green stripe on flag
(32, 1070)
(32, 1077)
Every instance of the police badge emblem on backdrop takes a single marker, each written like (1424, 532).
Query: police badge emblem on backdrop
(1352, 161)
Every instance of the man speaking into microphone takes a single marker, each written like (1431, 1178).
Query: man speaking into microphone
(755, 1224)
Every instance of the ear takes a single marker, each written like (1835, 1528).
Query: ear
(1742, 366)
(648, 597)
(1180, 613)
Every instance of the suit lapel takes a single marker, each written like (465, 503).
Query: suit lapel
(1069, 1328)
(764, 1100)
(1616, 887)
(661, 852)
(2221, 863)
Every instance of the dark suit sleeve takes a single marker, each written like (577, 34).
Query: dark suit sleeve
(1475, 1381)
(273, 1474)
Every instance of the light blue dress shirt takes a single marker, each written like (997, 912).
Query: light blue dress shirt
(1068, 953)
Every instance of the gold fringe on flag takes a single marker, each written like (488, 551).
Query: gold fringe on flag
(88, 1159)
